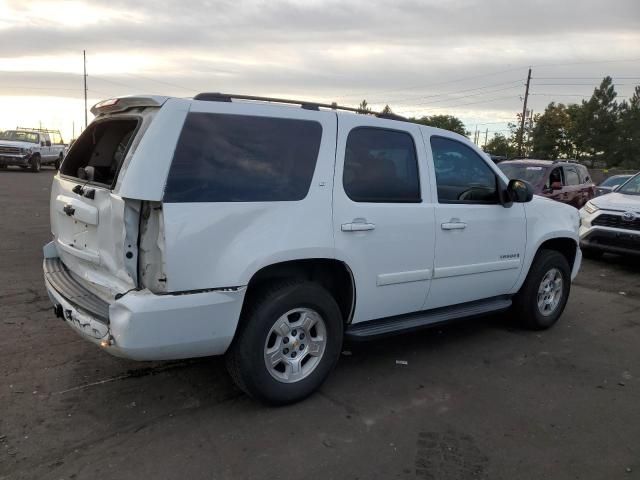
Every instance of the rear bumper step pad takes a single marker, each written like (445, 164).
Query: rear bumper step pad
(73, 291)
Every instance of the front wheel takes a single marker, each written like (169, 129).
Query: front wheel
(34, 163)
(288, 342)
(545, 292)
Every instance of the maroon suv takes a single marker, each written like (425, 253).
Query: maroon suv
(566, 182)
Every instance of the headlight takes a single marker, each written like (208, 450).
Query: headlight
(25, 150)
(590, 208)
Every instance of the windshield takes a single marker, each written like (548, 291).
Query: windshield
(17, 136)
(632, 187)
(615, 180)
(530, 173)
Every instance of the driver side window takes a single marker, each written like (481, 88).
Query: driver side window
(462, 176)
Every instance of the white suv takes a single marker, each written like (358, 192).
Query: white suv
(269, 230)
(611, 222)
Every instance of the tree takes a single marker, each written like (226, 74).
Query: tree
(364, 107)
(597, 123)
(446, 122)
(501, 146)
(551, 133)
(386, 110)
(628, 151)
(527, 143)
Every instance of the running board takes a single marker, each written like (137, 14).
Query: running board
(415, 321)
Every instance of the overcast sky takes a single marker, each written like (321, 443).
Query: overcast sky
(463, 57)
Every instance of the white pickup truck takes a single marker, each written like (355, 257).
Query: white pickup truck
(31, 148)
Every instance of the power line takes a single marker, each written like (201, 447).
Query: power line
(161, 82)
(415, 87)
(440, 94)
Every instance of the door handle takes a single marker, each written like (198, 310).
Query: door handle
(453, 226)
(357, 227)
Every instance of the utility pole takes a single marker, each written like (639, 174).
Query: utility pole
(486, 134)
(524, 114)
(475, 136)
(73, 130)
(84, 58)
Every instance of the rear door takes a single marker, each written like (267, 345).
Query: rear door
(382, 218)
(480, 244)
(95, 230)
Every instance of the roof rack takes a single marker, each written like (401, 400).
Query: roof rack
(227, 97)
(41, 130)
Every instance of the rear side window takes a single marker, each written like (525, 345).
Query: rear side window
(571, 176)
(98, 153)
(381, 166)
(241, 158)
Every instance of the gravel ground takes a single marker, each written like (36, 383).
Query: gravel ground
(476, 400)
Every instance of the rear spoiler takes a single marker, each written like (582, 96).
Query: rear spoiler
(120, 104)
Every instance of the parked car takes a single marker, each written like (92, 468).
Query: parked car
(566, 182)
(270, 232)
(611, 223)
(609, 185)
(31, 148)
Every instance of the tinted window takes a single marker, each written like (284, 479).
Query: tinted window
(555, 176)
(571, 176)
(461, 174)
(381, 166)
(240, 158)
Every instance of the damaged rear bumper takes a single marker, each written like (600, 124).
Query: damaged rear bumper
(141, 325)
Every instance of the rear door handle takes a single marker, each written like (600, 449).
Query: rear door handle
(357, 227)
(453, 226)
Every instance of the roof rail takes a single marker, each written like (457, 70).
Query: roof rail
(568, 160)
(227, 97)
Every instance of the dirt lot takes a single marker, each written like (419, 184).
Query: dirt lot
(478, 400)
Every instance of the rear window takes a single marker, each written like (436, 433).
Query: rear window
(98, 153)
(242, 158)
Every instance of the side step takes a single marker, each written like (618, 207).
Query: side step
(415, 321)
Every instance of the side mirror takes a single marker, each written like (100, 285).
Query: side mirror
(615, 188)
(556, 186)
(520, 191)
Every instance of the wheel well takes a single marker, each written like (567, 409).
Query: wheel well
(333, 275)
(566, 246)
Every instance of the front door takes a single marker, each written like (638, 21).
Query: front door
(479, 243)
(383, 220)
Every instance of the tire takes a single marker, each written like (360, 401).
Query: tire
(290, 303)
(34, 164)
(3, 167)
(592, 253)
(547, 267)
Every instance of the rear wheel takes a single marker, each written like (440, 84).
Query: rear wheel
(288, 341)
(34, 163)
(542, 298)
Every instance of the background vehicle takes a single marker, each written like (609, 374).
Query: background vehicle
(609, 184)
(611, 223)
(31, 148)
(566, 182)
(268, 233)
